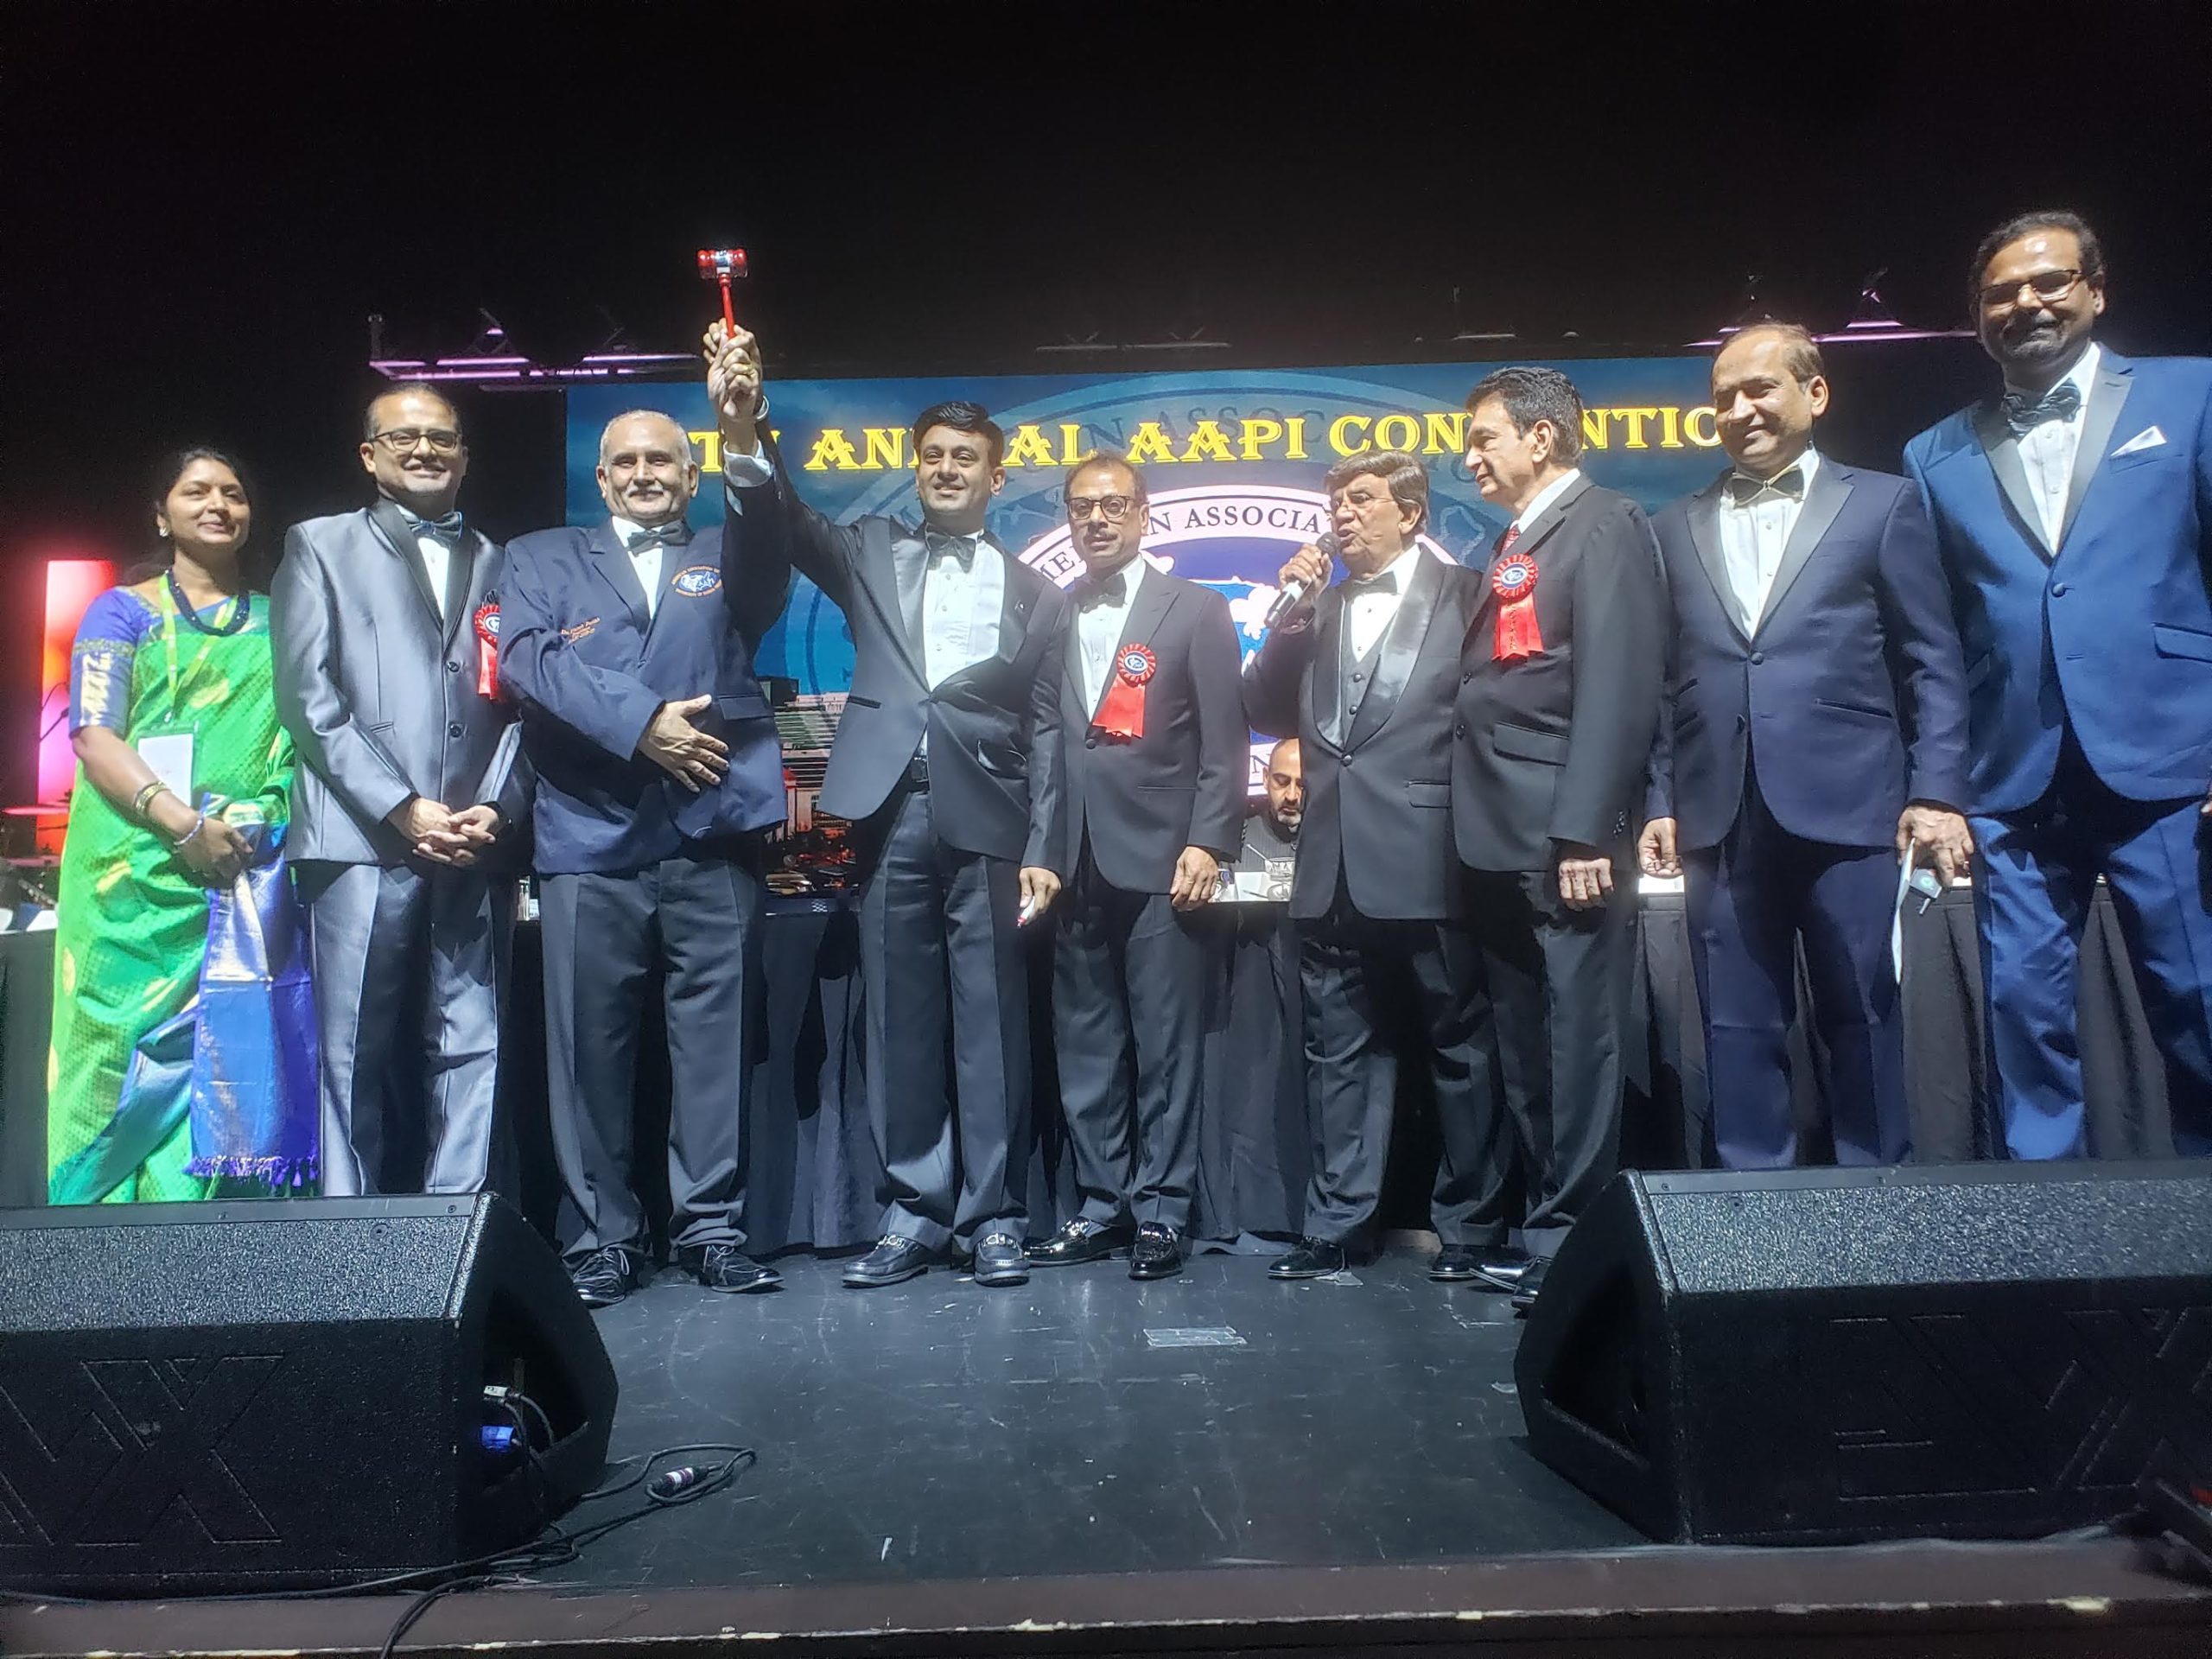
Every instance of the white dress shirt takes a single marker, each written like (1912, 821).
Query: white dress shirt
(645, 563)
(1369, 608)
(1544, 498)
(2046, 451)
(1098, 631)
(960, 608)
(436, 556)
(1752, 537)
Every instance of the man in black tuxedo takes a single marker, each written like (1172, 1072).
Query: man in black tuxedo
(948, 761)
(1363, 676)
(1155, 802)
(1814, 730)
(1557, 700)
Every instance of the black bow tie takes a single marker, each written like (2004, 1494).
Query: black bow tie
(1102, 590)
(959, 547)
(447, 530)
(1744, 489)
(2023, 413)
(1385, 583)
(675, 535)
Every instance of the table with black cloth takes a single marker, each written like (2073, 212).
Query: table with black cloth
(814, 1171)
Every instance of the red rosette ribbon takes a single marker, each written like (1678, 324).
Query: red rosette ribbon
(1121, 712)
(487, 650)
(1514, 582)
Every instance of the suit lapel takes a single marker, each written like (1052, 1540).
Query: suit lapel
(1401, 642)
(611, 560)
(1824, 499)
(391, 527)
(898, 591)
(1325, 674)
(2003, 450)
(1539, 531)
(1704, 515)
(460, 572)
(1017, 598)
(2106, 397)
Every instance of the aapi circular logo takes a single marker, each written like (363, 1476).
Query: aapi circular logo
(697, 582)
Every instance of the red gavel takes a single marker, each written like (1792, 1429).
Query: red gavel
(718, 265)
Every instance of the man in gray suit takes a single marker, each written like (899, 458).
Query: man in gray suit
(384, 621)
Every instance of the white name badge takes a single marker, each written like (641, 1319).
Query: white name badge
(169, 757)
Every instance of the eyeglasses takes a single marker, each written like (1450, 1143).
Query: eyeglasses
(1116, 507)
(400, 440)
(2047, 284)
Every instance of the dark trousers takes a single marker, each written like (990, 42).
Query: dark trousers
(1135, 985)
(692, 922)
(947, 1026)
(2036, 872)
(1749, 902)
(1550, 1048)
(410, 966)
(1379, 995)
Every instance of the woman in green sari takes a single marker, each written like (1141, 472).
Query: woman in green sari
(184, 772)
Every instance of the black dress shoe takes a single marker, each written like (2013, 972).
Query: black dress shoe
(1454, 1265)
(1532, 1281)
(724, 1267)
(893, 1259)
(1502, 1268)
(1158, 1254)
(1077, 1241)
(999, 1261)
(607, 1275)
(1314, 1258)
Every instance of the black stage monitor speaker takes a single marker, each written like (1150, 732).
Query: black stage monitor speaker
(1825, 1356)
(267, 1395)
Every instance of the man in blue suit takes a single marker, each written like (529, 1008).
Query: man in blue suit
(1814, 732)
(658, 767)
(2074, 519)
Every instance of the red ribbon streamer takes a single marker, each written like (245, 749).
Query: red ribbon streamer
(1514, 582)
(1121, 712)
(487, 651)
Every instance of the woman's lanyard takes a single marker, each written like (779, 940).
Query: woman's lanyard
(173, 624)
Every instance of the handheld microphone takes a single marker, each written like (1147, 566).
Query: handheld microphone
(1293, 593)
(674, 1483)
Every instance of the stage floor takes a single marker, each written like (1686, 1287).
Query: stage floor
(1084, 1423)
(1214, 1463)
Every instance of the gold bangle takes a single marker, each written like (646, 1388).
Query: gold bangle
(145, 798)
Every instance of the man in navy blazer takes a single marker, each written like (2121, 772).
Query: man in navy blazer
(1814, 730)
(1155, 805)
(947, 762)
(2075, 518)
(658, 767)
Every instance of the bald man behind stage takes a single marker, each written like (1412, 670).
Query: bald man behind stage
(658, 769)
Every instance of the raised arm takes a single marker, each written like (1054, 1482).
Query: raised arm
(767, 528)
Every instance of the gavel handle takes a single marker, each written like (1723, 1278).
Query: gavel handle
(729, 318)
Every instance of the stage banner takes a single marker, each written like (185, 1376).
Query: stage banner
(1234, 459)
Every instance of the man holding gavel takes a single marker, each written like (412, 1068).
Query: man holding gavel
(947, 760)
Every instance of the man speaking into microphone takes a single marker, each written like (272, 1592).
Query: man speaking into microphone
(1362, 674)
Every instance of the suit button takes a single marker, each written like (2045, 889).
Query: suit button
(1467, 678)
(1757, 657)
(1459, 731)
(453, 668)
(2058, 590)
(1346, 760)
(1357, 678)
(454, 730)
(1090, 742)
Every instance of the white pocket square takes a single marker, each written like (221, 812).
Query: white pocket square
(2149, 438)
